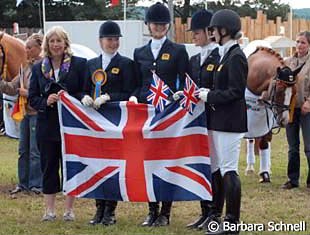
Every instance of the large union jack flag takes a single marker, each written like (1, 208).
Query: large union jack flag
(129, 152)
(158, 93)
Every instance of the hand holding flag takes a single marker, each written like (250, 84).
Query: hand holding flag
(190, 92)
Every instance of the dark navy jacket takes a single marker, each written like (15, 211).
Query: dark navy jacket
(47, 122)
(203, 74)
(170, 65)
(227, 97)
(121, 80)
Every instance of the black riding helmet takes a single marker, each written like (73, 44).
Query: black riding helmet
(200, 20)
(227, 19)
(109, 29)
(158, 13)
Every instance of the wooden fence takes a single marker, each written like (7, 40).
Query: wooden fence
(254, 29)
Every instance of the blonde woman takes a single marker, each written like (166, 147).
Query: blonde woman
(65, 71)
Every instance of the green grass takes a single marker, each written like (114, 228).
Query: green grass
(261, 203)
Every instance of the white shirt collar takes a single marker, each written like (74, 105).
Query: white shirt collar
(157, 43)
(225, 48)
(206, 51)
(106, 59)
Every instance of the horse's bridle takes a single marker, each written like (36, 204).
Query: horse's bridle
(274, 106)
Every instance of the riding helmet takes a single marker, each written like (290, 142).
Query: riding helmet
(200, 20)
(227, 19)
(109, 29)
(158, 13)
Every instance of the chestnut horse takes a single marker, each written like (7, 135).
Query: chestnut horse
(273, 84)
(12, 56)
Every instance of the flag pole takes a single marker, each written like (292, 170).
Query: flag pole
(43, 14)
(125, 9)
(124, 24)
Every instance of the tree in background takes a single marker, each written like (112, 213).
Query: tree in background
(28, 13)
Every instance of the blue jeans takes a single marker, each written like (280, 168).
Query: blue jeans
(29, 167)
(292, 134)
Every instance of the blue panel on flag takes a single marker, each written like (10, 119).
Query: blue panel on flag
(165, 191)
(69, 120)
(201, 120)
(74, 168)
(109, 190)
(204, 169)
(168, 110)
(112, 112)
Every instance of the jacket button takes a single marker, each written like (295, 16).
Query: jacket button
(154, 63)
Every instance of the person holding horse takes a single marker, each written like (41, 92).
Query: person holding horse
(110, 78)
(301, 118)
(228, 118)
(202, 68)
(170, 62)
(29, 170)
(59, 70)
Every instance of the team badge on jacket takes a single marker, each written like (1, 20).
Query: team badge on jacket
(115, 71)
(165, 56)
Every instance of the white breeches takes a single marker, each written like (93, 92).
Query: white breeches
(224, 150)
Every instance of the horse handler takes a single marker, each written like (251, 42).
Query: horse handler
(228, 117)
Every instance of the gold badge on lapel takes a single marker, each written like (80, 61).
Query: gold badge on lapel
(99, 76)
(219, 68)
(115, 70)
(165, 56)
(210, 67)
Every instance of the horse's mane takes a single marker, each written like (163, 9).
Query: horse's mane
(271, 52)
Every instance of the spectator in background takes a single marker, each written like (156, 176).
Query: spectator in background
(301, 119)
(29, 169)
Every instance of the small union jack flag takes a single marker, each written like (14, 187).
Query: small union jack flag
(189, 100)
(158, 93)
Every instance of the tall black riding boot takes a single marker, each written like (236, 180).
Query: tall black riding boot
(216, 210)
(205, 209)
(232, 188)
(100, 204)
(153, 214)
(164, 216)
(109, 213)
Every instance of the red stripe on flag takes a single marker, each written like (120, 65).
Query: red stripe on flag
(165, 124)
(191, 175)
(80, 114)
(92, 181)
(131, 146)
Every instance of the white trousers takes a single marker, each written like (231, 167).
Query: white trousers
(224, 150)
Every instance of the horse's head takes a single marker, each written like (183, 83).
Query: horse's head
(282, 91)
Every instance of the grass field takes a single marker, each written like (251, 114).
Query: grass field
(261, 203)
